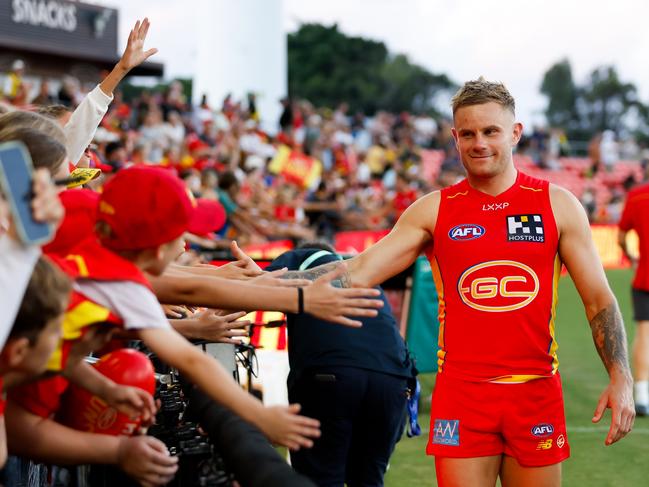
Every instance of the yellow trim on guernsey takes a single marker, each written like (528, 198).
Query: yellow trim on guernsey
(441, 311)
(554, 346)
(536, 190)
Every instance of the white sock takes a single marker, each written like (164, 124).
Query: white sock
(642, 392)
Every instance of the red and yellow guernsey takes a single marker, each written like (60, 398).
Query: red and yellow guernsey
(90, 260)
(496, 268)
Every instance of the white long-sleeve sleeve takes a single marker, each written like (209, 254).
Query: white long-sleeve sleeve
(81, 128)
(16, 266)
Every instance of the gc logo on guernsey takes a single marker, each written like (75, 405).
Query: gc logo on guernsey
(498, 286)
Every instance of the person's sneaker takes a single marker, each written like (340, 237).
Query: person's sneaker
(642, 410)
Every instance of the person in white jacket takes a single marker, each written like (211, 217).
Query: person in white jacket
(81, 127)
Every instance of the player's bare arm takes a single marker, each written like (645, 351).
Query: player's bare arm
(392, 254)
(578, 253)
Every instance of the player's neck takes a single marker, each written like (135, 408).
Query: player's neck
(494, 185)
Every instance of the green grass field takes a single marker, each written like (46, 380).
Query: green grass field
(625, 464)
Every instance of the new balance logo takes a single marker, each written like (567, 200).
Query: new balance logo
(525, 228)
(446, 432)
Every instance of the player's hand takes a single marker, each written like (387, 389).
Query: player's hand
(146, 459)
(132, 401)
(618, 396)
(274, 278)
(134, 54)
(214, 327)
(46, 206)
(283, 426)
(335, 304)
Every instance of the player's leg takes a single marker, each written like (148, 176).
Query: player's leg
(640, 351)
(534, 430)
(465, 432)
(512, 474)
(467, 472)
(640, 357)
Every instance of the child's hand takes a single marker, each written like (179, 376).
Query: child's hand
(283, 426)
(146, 459)
(132, 401)
(215, 327)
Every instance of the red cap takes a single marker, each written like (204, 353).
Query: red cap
(197, 145)
(145, 207)
(79, 222)
(209, 217)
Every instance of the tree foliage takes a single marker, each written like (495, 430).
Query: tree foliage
(327, 67)
(561, 91)
(602, 102)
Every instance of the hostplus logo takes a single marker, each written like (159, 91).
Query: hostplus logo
(525, 228)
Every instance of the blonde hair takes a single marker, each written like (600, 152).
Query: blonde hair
(477, 92)
(21, 118)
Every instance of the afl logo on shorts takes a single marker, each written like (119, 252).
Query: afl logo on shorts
(542, 430)
(498, 285)
(466, 231)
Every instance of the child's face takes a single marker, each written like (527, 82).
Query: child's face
(166, 254)
(35, 361)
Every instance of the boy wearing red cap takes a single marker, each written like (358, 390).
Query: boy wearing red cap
(143, 213)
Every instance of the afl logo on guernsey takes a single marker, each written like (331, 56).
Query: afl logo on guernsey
(498, 286)
(466, 231)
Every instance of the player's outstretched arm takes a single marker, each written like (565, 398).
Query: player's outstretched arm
(578, 253)
(320, 298)
(389, 256)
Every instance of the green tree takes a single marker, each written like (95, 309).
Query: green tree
(605, 101)
(410, 87)
(562, 93)
(326, 67)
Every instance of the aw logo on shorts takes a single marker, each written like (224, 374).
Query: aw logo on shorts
(446, 432)
(466, 231)
(542, 430)
(498, 285)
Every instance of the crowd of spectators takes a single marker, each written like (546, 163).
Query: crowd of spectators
(370, 168)
(217, 177)
(112, 267)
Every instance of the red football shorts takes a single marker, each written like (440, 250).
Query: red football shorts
(475, 419)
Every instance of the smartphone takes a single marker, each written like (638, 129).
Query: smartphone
(16, 170)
